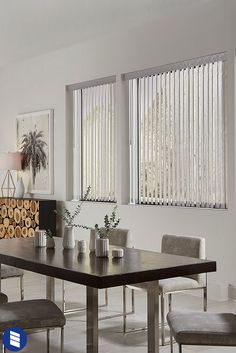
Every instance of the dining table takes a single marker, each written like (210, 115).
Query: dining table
(136, 266)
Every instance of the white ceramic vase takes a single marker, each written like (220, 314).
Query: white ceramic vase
(50, 243)
(92, 240)
(40, 239)
(68, 238)
(20, 188)
(102, 247)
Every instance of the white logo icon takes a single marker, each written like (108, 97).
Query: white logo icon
(14, 339)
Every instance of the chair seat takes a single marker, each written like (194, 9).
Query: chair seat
(3, 298)
(9, 271)
(171, 284)
(31, 314)
(203, 328)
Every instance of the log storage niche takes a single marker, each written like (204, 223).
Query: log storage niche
(21, 217)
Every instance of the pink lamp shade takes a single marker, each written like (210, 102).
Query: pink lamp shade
(10, 161)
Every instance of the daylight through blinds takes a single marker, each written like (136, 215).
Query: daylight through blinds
(177, 136)
(98, 151)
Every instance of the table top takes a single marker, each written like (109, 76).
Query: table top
(135, 267)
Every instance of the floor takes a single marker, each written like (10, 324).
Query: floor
(111, 339)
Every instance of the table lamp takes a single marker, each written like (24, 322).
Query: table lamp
(9, 161)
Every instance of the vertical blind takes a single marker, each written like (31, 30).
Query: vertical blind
(98, 141)
(177, 136)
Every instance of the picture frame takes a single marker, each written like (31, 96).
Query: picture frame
(34, 134)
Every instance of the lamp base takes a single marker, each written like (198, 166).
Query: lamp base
(8, 187)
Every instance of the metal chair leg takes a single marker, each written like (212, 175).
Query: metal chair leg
(171, 343)
(3, 349)
(205, 298)
(162, 319)
(180, 348)
(106, 297)
(48, 340)
(62, 339)
(124, 309)
(170, 301)
(132, 301)
(22, 288)
(63, 297)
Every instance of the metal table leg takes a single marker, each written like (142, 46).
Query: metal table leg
(50, 288)
(153, 316)
(92, 320)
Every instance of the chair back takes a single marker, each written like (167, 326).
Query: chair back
(121, 237)
(186, 246)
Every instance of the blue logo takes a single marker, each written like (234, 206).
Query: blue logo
(14, 339)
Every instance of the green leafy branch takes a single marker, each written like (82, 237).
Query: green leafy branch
(69, 217)
(110, 222)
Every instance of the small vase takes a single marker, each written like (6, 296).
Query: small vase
(92, 240)
(68, 238)
(50, 243)
(40, 239)
(102, 247)
(20, 188)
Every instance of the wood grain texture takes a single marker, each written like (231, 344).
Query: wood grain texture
(135, 267)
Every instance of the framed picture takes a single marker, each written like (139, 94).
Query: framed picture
(35, 141)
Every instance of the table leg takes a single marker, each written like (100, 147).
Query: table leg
(92, 320)
(153, 317)
(50, 288)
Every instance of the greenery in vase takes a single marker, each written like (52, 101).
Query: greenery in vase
(49, 233)
(110, 222)
(69, 217)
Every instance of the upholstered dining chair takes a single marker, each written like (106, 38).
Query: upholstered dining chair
(184, 246)
(118, 237)
(202, 329)
(32, 314)
(13, 272)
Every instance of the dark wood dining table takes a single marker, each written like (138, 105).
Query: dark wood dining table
(136, 266)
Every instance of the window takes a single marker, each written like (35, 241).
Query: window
(177, 140)
(95, 114)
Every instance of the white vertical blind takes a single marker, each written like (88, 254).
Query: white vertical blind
(180, 136)
(96, 108)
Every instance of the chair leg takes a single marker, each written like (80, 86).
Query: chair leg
(170, 301)
(180, 348)
(48, 340)
(106, 297)
(171, 343)
(162, 319)
(22, 288)
(124, 309)
(132, 301)
(62, 339)
(63, 297)
(3, 349)
(205, 298)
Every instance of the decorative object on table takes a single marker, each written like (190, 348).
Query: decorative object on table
(68, 238)
(117, 253)
(35, 141)
(92, 240)
(20, 188)
(69, 219)
(40, 239)
(50, 239)
(9, 161)
(22, 217)
(82, 246)
(102, 243)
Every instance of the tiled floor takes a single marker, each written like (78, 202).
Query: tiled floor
(111, 338)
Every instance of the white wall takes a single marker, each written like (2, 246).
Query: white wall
(39, 83)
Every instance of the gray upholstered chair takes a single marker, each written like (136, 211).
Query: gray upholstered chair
(3, 298)
(31, 315)
(202, 329)
(13, 272)
(183, 246)
(118, 237)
